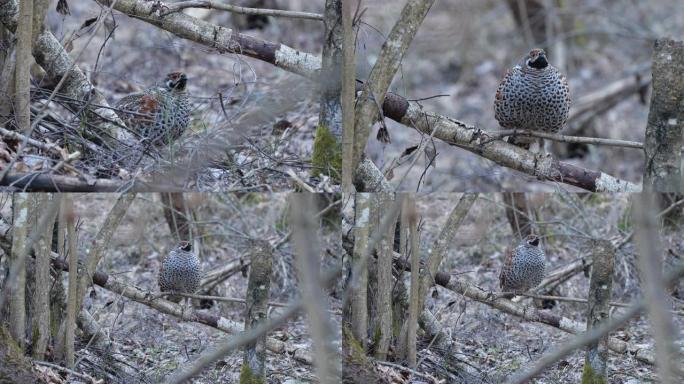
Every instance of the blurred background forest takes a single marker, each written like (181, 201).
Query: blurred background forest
(462, 50)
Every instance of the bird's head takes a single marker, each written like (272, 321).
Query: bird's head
(185, 246)
(176, 80)
(532, 240)
(537, 59)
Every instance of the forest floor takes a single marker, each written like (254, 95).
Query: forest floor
(153, 344)
(251, 123)
(459, 55)
(498, 344)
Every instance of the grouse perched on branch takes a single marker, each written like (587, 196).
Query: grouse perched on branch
(180, 271)
(523, 267)
(532, 95)
(159, 115)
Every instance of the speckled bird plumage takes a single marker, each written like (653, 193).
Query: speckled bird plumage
(180, 270)
(532, 95)
(158, 115)
(523, 266)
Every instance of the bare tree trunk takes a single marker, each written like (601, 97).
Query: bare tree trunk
(7, 65)
(598, 312)
(517, 213)
(41, 294)
(258, 286)
(348, 95)
(327, 150)
(73, 294)
(384, 281)
(650, 262)
(412, 218)
(663, 142)
(24, 32)
(386, 66)
(359, 292)
(308, 258)
(17, 282)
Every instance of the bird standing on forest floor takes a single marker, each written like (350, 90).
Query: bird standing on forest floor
(180, 271)
(533, 95)
(159, 115)
(523, 267)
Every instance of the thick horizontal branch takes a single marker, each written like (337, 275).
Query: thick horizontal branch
(480, 142)
(221, 323)
(44, 182)
(220, 38)
(175, 7)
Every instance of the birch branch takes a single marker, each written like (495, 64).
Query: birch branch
(224, 40)
(175, 7)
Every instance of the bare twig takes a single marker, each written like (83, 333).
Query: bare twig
(568, 139)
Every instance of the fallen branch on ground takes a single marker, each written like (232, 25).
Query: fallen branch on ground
(45, 182)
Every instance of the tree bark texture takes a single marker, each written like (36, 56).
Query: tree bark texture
(22, 78)
(41, 295)
(385, 247)
(412, 327)
(256, 312)
(17, 282)
(348, 94)
(600, 290)
(359, 292)
(327, 150)
(663, 142)
(73, 293)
